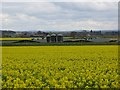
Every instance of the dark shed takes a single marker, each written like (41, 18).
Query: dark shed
(53, 38)
(48, 38)
(60, 38)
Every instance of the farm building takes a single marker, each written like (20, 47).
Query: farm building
(54, 38)
(37, 37)
(99, 39)
(48, 38)
(59, 38)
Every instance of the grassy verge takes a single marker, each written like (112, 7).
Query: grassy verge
(58, 44)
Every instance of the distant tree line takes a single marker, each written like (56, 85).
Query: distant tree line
(73, 34)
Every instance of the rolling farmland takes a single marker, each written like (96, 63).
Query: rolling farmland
(60, 67)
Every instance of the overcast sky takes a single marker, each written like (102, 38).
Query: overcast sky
(59, 16)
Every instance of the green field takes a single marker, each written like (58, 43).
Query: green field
(60, 67)
(30, 42)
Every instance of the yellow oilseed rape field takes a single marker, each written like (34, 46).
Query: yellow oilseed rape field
(7, 39)
(60, 67)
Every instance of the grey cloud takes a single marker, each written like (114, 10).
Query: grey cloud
(50, 14)
(61, 10)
